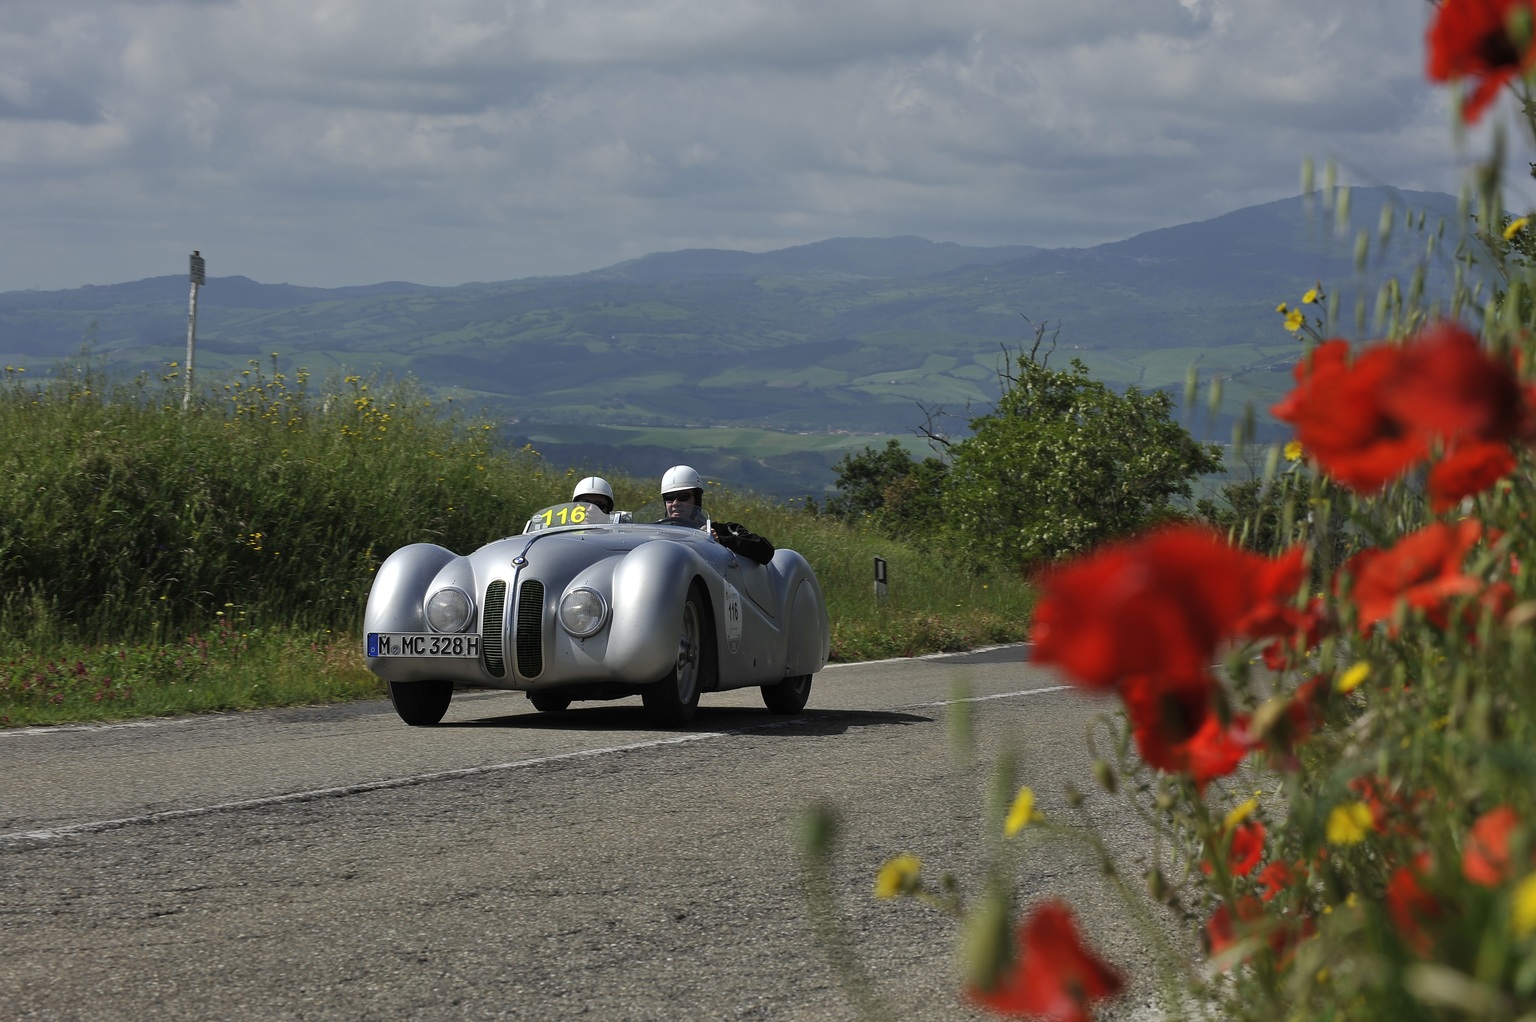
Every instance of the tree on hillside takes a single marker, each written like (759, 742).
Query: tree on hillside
(901, 494)
(1064, 462)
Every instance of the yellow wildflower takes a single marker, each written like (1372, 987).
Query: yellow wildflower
(1021, 813)
(1294, 320)
(1282, 308)
(1523, 919)
(1241, 813)
(1349, 823)
(897, 877)
(1293, 450)
(1515, 227)
(1311, 297)
(1351, 679)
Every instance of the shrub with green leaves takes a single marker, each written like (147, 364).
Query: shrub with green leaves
(1064, 462)
(124, 516)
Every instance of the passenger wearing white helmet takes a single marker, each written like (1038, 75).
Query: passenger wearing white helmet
(595, 490)
(682, 489)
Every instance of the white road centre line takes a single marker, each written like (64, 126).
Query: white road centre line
(315, 794)
(53, 729)
(999, 695)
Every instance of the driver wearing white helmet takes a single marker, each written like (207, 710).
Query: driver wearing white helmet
(682, 489)
(595, 490)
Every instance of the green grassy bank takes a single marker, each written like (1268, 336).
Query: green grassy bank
(156, 559)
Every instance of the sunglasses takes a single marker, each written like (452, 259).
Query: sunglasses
(678, 498)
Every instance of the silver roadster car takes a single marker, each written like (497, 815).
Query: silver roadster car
(587, 605)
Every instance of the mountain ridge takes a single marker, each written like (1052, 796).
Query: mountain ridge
(846, 335)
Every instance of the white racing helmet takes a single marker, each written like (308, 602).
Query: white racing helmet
(595, 490)
(681, 477)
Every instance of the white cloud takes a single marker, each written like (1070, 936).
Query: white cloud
(347, 141)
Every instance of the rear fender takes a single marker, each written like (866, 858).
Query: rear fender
(808, 641)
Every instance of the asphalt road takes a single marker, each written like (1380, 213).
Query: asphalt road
(332, 863)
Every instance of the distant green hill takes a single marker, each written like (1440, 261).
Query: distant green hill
(835, 342)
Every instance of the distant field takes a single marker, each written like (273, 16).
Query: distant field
(782, 464)
(760, 442)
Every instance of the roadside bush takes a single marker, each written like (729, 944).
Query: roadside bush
(158, 560)
(1064, 462)
(123, 516)
(1060, 463)
(892, 491)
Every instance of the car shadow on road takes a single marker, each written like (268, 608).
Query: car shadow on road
(632, 720)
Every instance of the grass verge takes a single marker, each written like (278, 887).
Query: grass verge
(225, 668)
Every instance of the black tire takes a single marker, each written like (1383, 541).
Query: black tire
(788, 696)
(421, 703)
(547, 703)
(672, 700)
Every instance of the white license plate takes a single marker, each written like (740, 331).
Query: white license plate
(419, 644)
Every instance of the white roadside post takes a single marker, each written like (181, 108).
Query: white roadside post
(197, 282)
(880, 590)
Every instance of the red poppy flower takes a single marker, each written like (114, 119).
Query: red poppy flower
(1229, 925)
(1178, 730)
(1054, 976)
(1303, 713)
(1468, 469)
(1247, 847)
(1244, 849)
(1424, 568)
(1497, 600)
(1373, 792)
(1472, 39)
(1271, 609)
(1342, 418)
(1161, 603)
(1485, 859)
(1274, 879)
(1307, 628)
(1412, 908)
(1448, 385)
(1393, 812)
(1366, 422)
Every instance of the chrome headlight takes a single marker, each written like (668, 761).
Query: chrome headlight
(448, 610)
(582, 612)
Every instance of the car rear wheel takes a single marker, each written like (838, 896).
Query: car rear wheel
(546, 703)
(421, 703)
(672, 700)
(788, 696)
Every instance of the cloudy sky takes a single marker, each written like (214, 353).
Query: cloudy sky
(331, 142)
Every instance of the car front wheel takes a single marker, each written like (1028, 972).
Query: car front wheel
(421, 703)
(788, 696)
(672, 700)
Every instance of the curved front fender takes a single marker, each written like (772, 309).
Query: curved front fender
(650, 584)
(400, 587)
